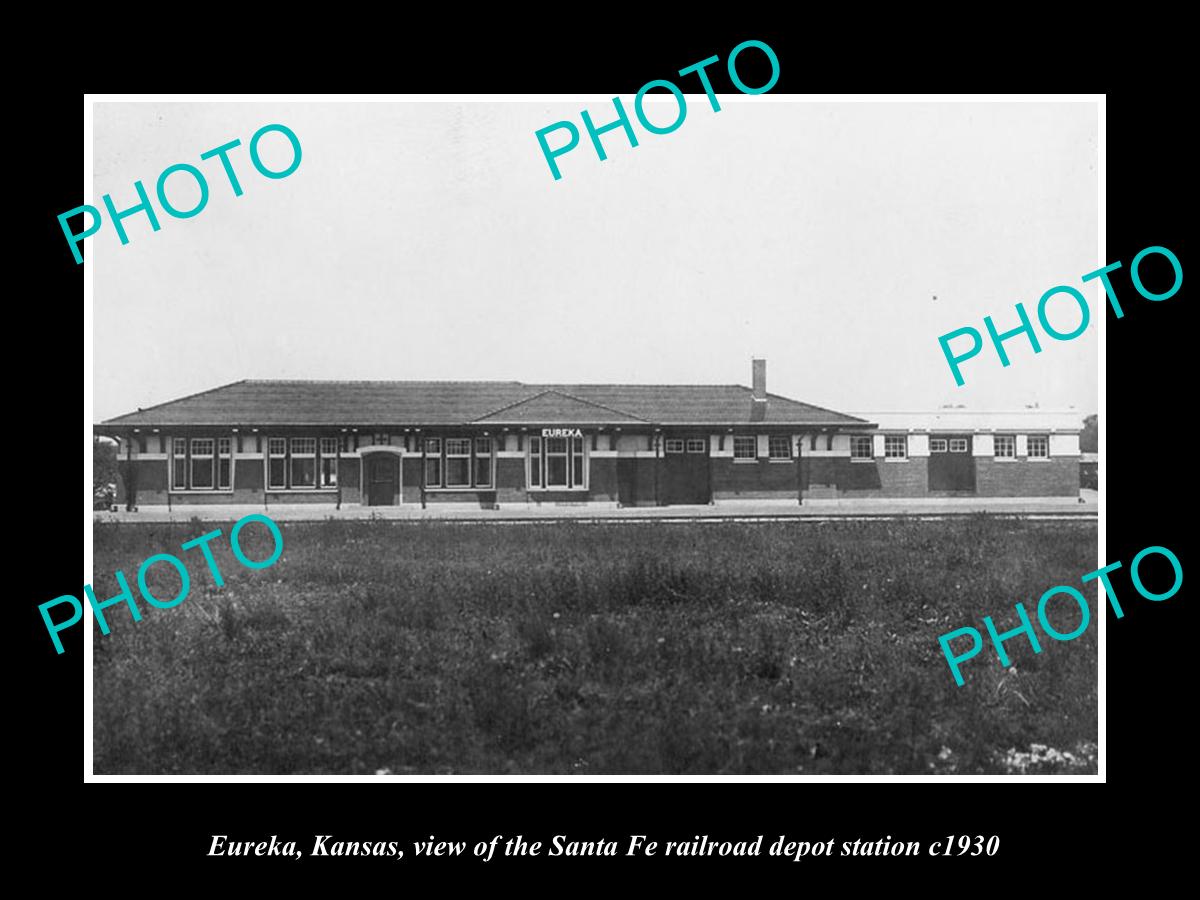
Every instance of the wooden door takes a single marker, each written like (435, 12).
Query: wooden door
(381, 480)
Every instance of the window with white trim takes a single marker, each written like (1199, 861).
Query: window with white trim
(329, 462)
(534, 462)
(459, 463)
(179, 464)
(779, 447)
(277, 463)
(745, 448)
(1004, 446)
(895, 446)
(483, 462)
(557, 463)
(673, 445)
(433, 462)
(938, 445)
(958, 445)
(304, 462)
(556, 467)
(1038, 446)
(697, 445)
(224, 463)
(201, 464)
(862, 447)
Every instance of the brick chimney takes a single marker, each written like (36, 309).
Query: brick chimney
(759, 382)
(758, 394)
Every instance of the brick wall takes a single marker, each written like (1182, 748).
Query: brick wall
(758, 480)
(1055, 477)
(909, 478)
(273, 497)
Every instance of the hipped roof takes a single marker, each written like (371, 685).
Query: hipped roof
(426, 403)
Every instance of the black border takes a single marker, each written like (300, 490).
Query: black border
(1146, 469)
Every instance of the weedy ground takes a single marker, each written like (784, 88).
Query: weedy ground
(589, 648)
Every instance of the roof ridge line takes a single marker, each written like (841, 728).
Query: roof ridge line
(505, 406)
(549, 389)
(619, 412)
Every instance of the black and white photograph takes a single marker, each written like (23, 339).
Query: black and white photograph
(517, 436)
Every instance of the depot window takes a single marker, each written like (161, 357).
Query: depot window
(458, 463)
(779, 447)
(201, 464)
(302, 463)
(895, 446)
(557, 464)
(1039, 446)
(745, 448)
(1004, 446)
(329, 462)
(861, 447)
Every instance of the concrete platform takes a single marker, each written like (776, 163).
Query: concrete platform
(1083, 507)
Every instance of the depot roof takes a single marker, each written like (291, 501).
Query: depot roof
(500, 403)
(969, 420)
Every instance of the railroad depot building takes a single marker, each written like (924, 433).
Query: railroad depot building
(492, 444)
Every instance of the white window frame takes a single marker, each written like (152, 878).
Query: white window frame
(890, 456)
(432, 452)
(297, 454)
(329, 447)
(273, 453)
(462, 451)
(697, 445)
(1009, 440)
(870, 444)
(674, 445)
(224, 454)
(753, 457)
(490, 456)
(179, 453)
(965, 445)
(939, 445)
(188, 452)
(537, 455)
(1038, 457)
(201, 456)
(772, 441)
(439, 451)
(533, 465)
(564, 454)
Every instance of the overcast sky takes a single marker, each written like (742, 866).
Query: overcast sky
(429, 241)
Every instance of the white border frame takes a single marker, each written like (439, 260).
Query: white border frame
(89, 396)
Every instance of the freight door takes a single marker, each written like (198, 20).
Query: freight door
(951, 463)
(685, 471)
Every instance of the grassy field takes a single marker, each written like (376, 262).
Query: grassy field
(582, 648)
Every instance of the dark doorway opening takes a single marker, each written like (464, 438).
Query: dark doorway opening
(382, 477)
